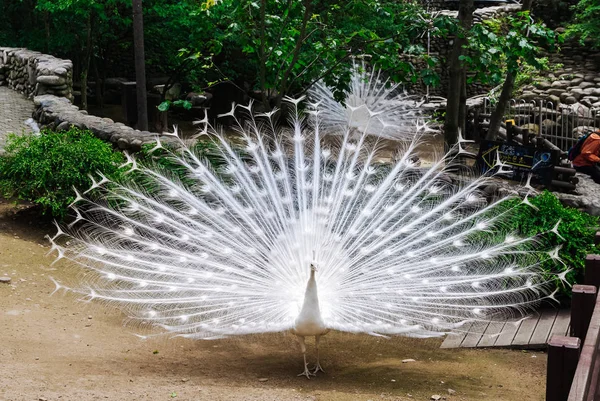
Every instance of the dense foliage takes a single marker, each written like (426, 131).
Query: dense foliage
(577, 230)
(587, 22)
(285, 46)
(45, 168)
(267, 49)
(509, 44)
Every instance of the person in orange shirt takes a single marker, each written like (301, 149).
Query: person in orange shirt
(588, 161)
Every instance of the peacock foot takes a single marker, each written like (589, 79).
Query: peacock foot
(307, 372)
(318, 368)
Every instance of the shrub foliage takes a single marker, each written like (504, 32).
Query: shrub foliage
(45, 168)
(577, 229)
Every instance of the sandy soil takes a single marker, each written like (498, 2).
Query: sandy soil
(53, 347)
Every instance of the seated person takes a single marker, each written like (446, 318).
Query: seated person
(588, 160)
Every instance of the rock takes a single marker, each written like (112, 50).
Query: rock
(64, 126)
(580, 110)
(576, 81)
(51, 80)
(554, 99)
(451, 392)
(529, 96)
(579, 131)
(533, 128)
(42, 399)
(561, 84)
(570, 100)
(585, 85)
(263, 379)
(577, 93)
(198, 99)
(5, 280)
(408, 360)
(435, 397)
(555, 91)
(548, 126)
(543, 85)
(60, 71)
(587, 197)
(586, 102)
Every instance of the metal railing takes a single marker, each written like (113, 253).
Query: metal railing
(560, 124)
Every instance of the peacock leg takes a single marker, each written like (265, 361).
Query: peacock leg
(306, 372)
(318, 367)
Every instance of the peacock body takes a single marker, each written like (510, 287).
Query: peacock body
(297, 230)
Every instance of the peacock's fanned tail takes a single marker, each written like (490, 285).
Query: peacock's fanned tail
(399, 248)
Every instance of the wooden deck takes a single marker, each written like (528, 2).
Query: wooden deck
(533, 332)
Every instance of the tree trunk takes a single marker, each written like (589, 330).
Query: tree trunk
(99, 86)
(462, 109)
(505, 95)
(85, 65)
(262, 74)
(140, 66)
(457, 74)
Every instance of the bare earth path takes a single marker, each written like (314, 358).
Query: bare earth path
(55, 348)
(14, 110)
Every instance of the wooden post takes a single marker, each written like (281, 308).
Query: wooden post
(592, 270)
(582, 308)
(525, 137)
(510, 133)
(563, 355)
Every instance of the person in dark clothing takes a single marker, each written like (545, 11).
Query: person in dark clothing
(588, 161)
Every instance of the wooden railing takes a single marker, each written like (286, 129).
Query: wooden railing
(574, 362)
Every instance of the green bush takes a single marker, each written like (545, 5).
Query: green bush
(45, 168)
(576, 227)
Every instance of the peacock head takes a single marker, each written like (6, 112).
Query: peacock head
(313, 268)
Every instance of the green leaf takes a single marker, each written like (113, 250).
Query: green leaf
(164, 106)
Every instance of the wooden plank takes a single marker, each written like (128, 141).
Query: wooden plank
(475, 334)
(526, 330)
(561, 323)
(491, 334)
(508, 333)
(542, 330)
(453, 340)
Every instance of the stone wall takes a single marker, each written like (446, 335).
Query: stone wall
(576, 81)
(33, 73)
(59, 113)
(49, 82)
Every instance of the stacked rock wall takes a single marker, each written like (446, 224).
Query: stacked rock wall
(33, 73)
(58, 113)
(576, 81)
(49, 82)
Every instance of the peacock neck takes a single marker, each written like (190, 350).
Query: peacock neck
(311, 297)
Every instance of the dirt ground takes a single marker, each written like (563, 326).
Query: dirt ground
(54, 347)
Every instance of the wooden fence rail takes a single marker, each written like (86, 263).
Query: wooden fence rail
(573, 372)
